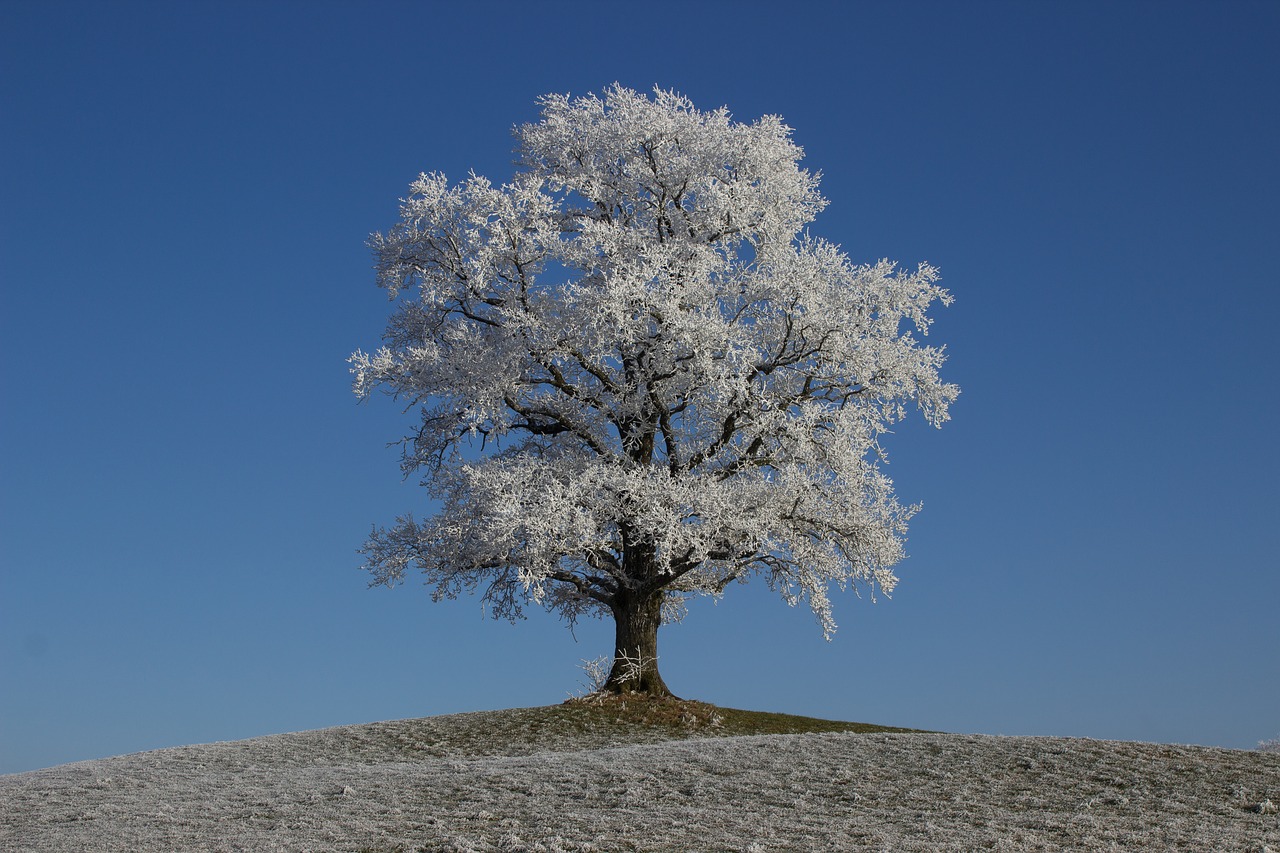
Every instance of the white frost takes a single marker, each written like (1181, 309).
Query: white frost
(433, 785)
(671, 385)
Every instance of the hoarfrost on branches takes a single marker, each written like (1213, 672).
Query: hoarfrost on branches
(596, 671)
(663, 383)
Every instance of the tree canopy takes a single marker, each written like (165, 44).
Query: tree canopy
(640, 379)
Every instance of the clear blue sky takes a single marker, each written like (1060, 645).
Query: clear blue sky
(185, 476)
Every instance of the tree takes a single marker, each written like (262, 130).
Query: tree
(640, 379)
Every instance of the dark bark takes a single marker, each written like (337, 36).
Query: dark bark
(635, 654)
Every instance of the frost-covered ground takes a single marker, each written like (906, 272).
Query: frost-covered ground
(519, 780)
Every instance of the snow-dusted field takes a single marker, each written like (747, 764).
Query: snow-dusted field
(507, 781)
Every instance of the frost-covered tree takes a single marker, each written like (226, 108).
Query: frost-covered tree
(640, 379)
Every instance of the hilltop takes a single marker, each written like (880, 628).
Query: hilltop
(623, 775)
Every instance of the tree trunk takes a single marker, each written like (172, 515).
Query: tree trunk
(635, 648)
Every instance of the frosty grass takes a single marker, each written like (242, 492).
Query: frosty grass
(513, 781)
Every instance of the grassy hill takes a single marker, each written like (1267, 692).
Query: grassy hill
(581, 724)
(622, 774)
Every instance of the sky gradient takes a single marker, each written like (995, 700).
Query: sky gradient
(185, 191)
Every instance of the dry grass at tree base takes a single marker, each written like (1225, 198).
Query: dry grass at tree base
(682, 718)
(625, 773)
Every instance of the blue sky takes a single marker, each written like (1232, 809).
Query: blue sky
(186, 190)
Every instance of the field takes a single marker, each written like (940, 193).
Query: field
(647, 777)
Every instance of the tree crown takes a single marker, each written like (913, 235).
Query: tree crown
(665, 383)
